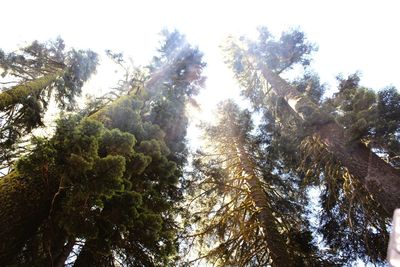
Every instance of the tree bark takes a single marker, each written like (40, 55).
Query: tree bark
(380, 178)
(66, 250)
(85, 257)
(93, 254)
(19, 93)
(276, 244)
(25, 203)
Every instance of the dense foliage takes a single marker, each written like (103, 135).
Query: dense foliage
(115, 184)
(29, 78)
(248, 209)
(109, 181)
(351, 222)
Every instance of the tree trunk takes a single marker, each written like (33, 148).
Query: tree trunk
(85, 258)
(276, 244)
(19, 93)
(94, 254)
(25, 204)
(380, 179)
(66, 250)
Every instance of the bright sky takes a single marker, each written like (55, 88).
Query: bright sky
(351, 35)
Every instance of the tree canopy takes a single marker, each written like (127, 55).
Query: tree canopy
(30, 77)
(116, 184)
(106, 185)
(326, 141)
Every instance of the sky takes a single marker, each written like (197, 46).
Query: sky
(351, 35)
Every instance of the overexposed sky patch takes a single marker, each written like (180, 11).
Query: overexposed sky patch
(351, 35)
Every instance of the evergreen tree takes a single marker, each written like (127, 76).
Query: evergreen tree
(247, 211)
(29, 77)
(365, 165)
(106, 185)
(327, 142)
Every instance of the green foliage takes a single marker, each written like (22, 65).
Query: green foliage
(310, 85)
(355, 107)
(351, 222)
(113, 176)
(44, 154)
(387, 125)
(26, 192)
(31, 76)
(281, 54)
(80, 65)
(101, 197)
(115, 142)
(180, 80)
(228, 226)
(368, 115)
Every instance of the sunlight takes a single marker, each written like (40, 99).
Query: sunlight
(245, 133)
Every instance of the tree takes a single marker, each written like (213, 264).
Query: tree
(31, 76)
(372, 172)
(246, 208)
(323, 146)
(176, 77)
(111, 185)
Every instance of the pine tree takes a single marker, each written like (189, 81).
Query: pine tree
(106, 184)
(30, 77)
(176, 77)
(321, 145)
(365, 165)
(246, 208)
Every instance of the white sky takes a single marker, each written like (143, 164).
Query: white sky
(351, 35)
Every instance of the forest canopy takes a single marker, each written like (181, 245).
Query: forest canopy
(296, 178)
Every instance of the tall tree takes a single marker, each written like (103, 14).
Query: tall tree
(245, 204)
(322, 145)
(112, 184)
(29, 77)
(378, 177)
(176, 77)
